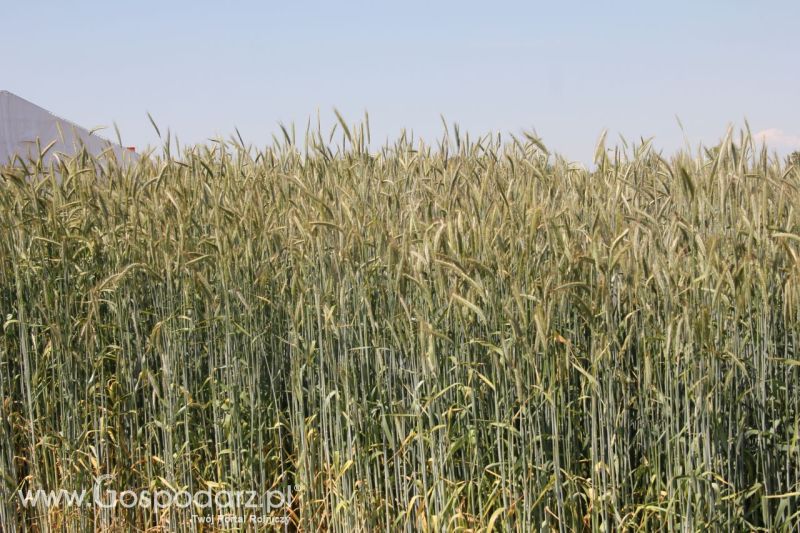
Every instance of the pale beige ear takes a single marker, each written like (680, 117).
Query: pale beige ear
(60, 132)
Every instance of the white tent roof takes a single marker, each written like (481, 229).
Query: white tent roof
(22, 123)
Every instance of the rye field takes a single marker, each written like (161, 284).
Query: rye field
(469, 335)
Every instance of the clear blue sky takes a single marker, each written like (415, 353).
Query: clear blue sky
(567, 70)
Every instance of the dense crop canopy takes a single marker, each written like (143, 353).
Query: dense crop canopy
(478, 335)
